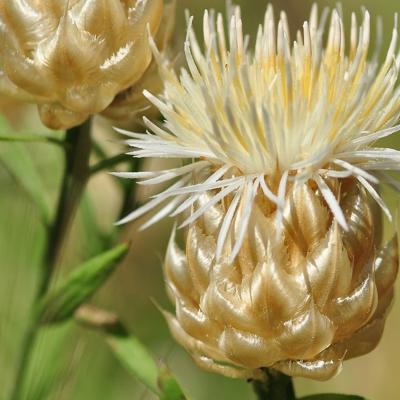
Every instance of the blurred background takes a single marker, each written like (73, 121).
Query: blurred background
(73, 363)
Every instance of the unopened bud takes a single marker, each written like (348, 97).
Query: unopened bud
(73, 57)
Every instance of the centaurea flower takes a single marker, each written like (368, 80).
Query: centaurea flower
(281, 267)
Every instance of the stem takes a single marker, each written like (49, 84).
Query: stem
(77, 150)
(31, 138)
(108, 163)
(129, 202)
(74, 180)
(277, 386)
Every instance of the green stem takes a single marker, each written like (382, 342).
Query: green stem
(98, 149)
(31, 138)
(108, 163)
(75, 177)
(77, 150)
(129, 202)
(277, 386)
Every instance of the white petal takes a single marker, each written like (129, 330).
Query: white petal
(218, 197)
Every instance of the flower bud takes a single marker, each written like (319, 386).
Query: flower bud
(72, 58)
(131, 105)
(300, 297)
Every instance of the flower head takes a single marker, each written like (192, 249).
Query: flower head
(73, 57)
(284, 265)
(254, 121)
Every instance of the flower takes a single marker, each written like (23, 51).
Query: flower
(280, 267)
(72, 58)
(130, 105)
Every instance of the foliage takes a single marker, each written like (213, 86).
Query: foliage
(82, 283)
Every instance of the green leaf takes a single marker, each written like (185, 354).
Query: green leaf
(331, 396)
(135, 357)
(131, 353)
(60, 304)
(17, 160)
(170, 389)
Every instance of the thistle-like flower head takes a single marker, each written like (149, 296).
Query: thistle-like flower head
(73, 57)
(287, 111)
(283, 265)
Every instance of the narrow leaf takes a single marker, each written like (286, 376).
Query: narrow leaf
(131, 353)
(170, 389)
(82, 283)
(134, 356)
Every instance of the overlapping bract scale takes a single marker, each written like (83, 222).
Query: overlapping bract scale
(299, 299)
(131, 105)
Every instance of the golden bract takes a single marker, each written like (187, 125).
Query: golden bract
(73, 57)
(300, 299)
(130, 105)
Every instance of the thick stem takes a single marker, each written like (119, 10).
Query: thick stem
(77, 151)
(277, 386)
(78, 145)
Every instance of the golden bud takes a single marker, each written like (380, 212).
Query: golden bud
(302, 294)
(73, 57)
(130, 105)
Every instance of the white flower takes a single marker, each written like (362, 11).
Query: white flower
(251, 121)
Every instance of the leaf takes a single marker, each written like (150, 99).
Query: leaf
(138, 360)
(131, 353)
(331, 396)
(82, 283)
(170, 389)
(135, 358)
(17, 160)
